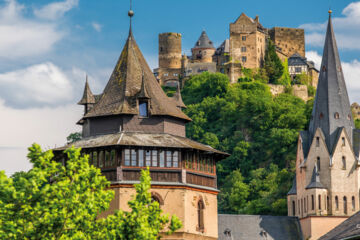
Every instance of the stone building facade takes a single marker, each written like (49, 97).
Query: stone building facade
(326, 188)
(133, 125)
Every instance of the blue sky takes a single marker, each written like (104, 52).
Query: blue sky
(47, 47)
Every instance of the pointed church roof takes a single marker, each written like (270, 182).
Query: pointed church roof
(204, 41)
(178, 99)
(315, 180)
(293, 188)
(88, 96)
(130, 79)
(331, 107)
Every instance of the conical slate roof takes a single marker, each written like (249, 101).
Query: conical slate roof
(88, 97)
(125, 87)
(204, 41)
(178, 99)
(293, 188)
(315, 180)
(331, 107)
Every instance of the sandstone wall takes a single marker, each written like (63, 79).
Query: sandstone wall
(170, 50)
(289, 40)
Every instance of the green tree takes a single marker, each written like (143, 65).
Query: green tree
(285, 79)
(272, 63)
(73, 137)
(52, 201)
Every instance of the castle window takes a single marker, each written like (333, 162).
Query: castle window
(317, 141)
(319, 202)
(143, 108)
(243, 38)
(327, 203)
(343, 163)
(293, 208)
(353, 203)
(336, 115)
(154, 158)
(243, 58)
(302, 207)
(345, 205)
(141, 157)
(336, 203)
(343, 141)
(305, 209)
(243, 49)
(318, 164)
(200, 213)
(312, 202)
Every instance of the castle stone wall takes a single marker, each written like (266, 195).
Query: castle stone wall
(289, 40)
(169, 50)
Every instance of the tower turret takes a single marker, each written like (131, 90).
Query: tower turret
(88, 99)
(204, 49)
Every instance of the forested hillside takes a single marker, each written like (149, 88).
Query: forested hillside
(258, 130)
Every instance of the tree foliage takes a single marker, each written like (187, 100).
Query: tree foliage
(52, 201)
(73, 137)
(258, 130)
(272, 63)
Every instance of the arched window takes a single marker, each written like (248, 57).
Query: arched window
(302, 207)
(293, 208)
(353, 203)
(305, 205)
(312, 202)
(345, 205)
(336, 203)
(155, 197)
(336, 115)
(200, 213)
(319, 202)
(343, 162)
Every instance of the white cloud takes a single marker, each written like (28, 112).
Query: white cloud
(38, 85)
(96, 26)
(22, 37)
(55, 10)
(351, 74)
(20, 128)
(345, 28)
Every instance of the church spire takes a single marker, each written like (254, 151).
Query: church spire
(88, 97)
(331, 109)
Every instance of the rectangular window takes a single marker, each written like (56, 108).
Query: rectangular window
(107, 159)
(133, 157)
(112, 158)
(318, 163)
(141, 157)
(243, 49)
(298, 69)
(343, 141)
(101, 159)
(154, 158)
(127, 157)
(143, 109)
(168, 159)
(243, 38)
(176, 159)
(243, 58)
(95, 159)
(162, 158)
(148, 158)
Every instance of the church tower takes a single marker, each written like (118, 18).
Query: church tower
(325, 191)
(133, 125)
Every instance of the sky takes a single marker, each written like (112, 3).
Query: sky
(48, 46)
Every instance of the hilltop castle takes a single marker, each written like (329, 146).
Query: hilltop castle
(245, 48)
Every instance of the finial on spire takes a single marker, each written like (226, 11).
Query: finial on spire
(130, 13)
(330, 11)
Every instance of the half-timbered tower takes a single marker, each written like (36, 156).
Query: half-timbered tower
(326, 188)
(133, 125)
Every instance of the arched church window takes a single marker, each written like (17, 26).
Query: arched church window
(336, 203)
(312, 202)
(327, 203)
(345, 205)
(317, 141)
(343, 162)
(336, 115)
(200, 213)
(353, 203)
(293, 208)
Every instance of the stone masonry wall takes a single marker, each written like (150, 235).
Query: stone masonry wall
(289, 40)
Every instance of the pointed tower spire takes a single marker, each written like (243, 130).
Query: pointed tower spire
(331, 107)
(130, 14)
(88, 97)
(315, 180)
(178, 99)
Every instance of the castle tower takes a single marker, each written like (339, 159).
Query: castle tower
(88, 99)
(134, 125)
(169, 69)
(326, 189)
(203, 50)
(247, 45)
